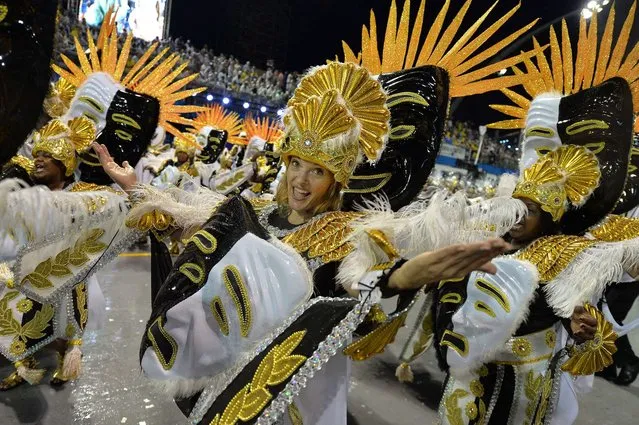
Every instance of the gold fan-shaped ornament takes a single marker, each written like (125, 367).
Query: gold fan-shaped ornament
(459, 54)
(363, 98)
(59, 98)
(155, 76)
(595, 62)
(595, 355)
(570, 173)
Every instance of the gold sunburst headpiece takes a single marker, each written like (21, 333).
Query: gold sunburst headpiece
(568, 175)
(151, 75)
(459, 56)
(595, 62)
(217, 117)
(64, 141)
(186, 142)
(337, 113)
(264, 128)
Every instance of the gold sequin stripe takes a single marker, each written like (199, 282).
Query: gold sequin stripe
(167, 352)
(494, 292)
(456, 341)
(237, 290)
(219, 313)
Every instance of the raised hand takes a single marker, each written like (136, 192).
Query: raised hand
(123, 175)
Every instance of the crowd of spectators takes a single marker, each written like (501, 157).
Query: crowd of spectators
(225, 74)
(221, 73)
(493, 152)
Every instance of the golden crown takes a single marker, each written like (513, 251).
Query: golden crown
(64, 141)
(337, 113)
(563, 177)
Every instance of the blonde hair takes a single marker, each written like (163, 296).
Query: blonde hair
(332, 201)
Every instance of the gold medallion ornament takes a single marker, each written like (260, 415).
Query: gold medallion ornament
(155, 76)
(443, 46)
(595, 355)
(596, 61)
(337, 113)
(64, 141)
(566, 176)
(220, 119)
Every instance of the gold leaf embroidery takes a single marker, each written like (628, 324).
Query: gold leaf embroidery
(325, 236)
(277, 366)
(453, 411)
(58, 266)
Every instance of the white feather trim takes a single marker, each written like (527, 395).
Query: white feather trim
(190, 210)
(420, 227)
(506, 185)
(587, 275)
(31, 214)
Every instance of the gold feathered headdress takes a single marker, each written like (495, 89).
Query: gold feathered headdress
(337, 115)
(220, 119)
(64, 141)
(596, 61)
(563, 177)
(458, 55)
(151, 75)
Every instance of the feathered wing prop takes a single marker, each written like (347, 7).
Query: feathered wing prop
(446, 220)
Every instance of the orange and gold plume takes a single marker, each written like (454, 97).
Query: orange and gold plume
(459, 55)
(264, 128)
(217, 117)
(596, 61)
(153, 75)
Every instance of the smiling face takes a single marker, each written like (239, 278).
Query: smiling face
(48, 171)
(307, 185)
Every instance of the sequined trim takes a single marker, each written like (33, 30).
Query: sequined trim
(484, 308)
(325, 351)
(219, 313)
(451, 298)
(493, 291)
(157, 324)
(239, 294)
(456, 341)
(200, 238)
(617, 228)
(193, 271)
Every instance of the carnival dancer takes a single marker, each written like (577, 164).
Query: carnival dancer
(263, 154)
(53, 300)
(326, 134)
(502, 368)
